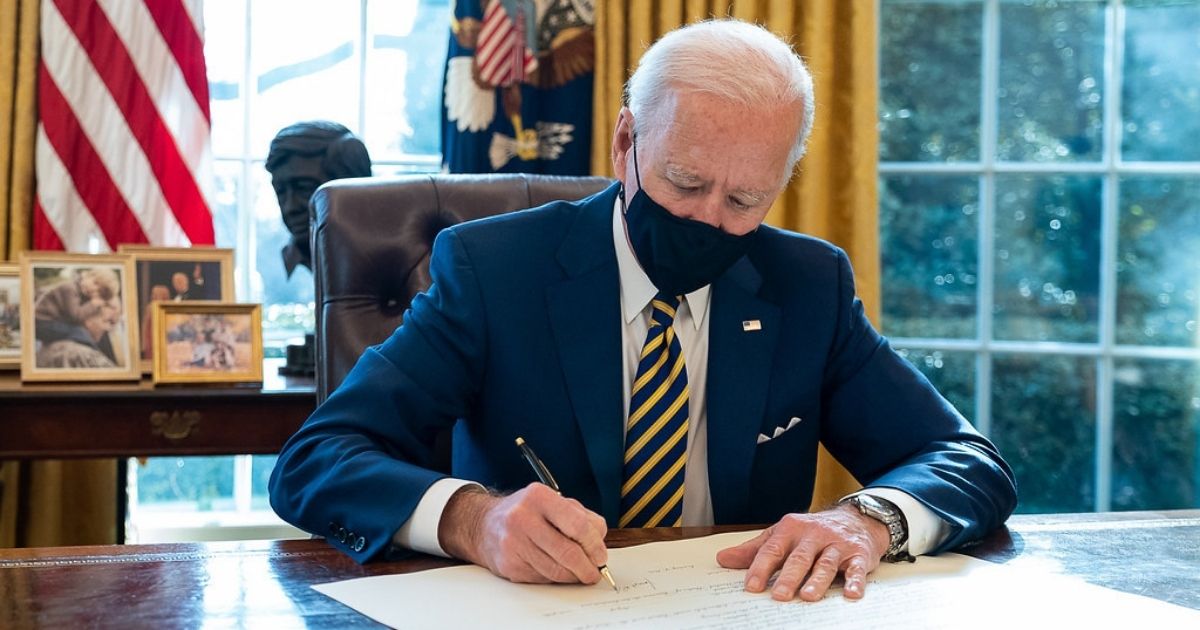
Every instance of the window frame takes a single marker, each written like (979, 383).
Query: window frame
(1111, 167)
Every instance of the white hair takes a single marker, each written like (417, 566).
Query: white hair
(741, 62)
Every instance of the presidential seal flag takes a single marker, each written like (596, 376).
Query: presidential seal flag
(123, 152)
(518, 88)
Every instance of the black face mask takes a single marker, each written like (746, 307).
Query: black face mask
(679, 255)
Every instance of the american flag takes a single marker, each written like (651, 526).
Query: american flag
(123, 153)
(502, 57)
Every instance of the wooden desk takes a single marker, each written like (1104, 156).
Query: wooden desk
(60, 420)
(266, 584)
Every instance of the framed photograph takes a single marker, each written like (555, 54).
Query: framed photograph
(177, 274)
(76, 323)
(207, 342)
(10, 316)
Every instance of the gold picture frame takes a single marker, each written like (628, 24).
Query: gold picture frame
(207, 342)
(75, 319)
(176, 274)
(10, 316)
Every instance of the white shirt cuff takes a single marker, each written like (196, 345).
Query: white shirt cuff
(420, 531)
(926, 530)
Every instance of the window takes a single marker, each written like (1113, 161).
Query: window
(1040, 229)
(374, 66)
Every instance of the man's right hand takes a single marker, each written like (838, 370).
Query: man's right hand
(533, 535)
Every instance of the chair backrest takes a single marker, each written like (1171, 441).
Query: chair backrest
(372, 239)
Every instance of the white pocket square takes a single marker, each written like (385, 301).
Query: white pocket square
(763, 437)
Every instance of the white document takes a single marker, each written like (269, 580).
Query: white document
(678, 584)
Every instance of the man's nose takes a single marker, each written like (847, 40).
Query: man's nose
(291, 199)
(705, 210)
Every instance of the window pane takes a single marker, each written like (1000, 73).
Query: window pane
(1158, 261)
(929, 83)
(928, 229)
(952, 373)
(303, 68)
(260, 468)
(1160, 96)
(1043, 421)
(288, 302)
(225, 62)
(1051, 80)
(388, 170)
(186, 484)
(227, 185)
(406, 52)
(1156, 435)
(1047, 258)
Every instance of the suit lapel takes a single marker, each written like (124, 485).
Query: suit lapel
(739, 374)
(585, 315)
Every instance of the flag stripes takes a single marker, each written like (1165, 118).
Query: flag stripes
(183, 39)
(501, 54)
(167, 81)
(62, 198)
(123, 143)
(42, 226)
(172, 185)
(86, 169)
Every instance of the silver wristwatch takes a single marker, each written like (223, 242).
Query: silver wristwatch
(887, 513)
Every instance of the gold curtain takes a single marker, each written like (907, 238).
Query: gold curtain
(47, 502)
(834, 194)
(18, 120)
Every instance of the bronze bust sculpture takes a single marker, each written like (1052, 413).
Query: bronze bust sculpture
(303, 156)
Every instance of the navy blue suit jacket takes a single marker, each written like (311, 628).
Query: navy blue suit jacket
(520, 335)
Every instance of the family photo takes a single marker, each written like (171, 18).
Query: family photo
(175, 274)
(79, 326)
(207, 342)
(10, 316)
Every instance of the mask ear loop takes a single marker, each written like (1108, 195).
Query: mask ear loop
(636, 169)
(636, 174)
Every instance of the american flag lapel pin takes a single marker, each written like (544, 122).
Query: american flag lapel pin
(750, 325)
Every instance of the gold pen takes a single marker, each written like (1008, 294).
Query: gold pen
(545, 477)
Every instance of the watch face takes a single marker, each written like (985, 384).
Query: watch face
(875, 508)
(890, 516)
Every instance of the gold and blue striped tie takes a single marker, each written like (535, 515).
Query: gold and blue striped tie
(656, 440)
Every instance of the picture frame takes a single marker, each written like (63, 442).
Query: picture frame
(207, 342)
(177, 274)
(10, 316)
(75, 319)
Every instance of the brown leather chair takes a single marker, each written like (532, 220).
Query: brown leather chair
(371, 243)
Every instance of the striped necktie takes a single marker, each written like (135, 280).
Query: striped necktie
(656, 440)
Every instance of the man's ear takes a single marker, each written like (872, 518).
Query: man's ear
(622, 141)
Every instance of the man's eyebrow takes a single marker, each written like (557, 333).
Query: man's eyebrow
(752, 197)
(681, 176)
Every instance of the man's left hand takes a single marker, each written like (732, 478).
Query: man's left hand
(820, 546)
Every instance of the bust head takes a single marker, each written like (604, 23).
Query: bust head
(302, 157)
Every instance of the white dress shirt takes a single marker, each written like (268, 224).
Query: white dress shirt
(925, 529)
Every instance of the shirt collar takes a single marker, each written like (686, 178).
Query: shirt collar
(636, 288)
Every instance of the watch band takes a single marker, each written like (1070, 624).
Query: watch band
(887, 513)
